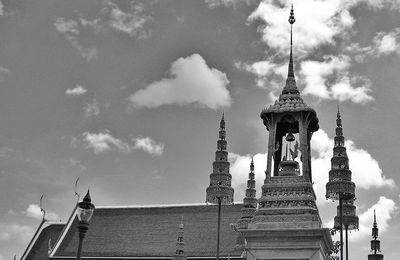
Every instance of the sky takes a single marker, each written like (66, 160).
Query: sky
(127, 96)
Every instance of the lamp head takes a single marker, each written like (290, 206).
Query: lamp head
(85, 209)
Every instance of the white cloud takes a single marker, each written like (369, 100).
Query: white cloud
(70, 29)
(66, 26)
(383, 44)
(103, 142)
(227, 3)
(1, 8)
(3, 72)
(148, 145)
(77, 91)
(330, 79)
(387, 43)
(16, 232)
(240, 168)
(191, 81)
(366, 172)
(385, 209)
(35, 212)
(131, 23)
(312, 30)
(268, 74)
(92, 108)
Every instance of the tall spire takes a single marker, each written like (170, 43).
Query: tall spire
(291, 20)
(250, 200)
(375, 243)
(180, 245)
(340, 183)
(290, 87)
(220, 179)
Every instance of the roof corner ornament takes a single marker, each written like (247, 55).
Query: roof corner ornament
(41, 208)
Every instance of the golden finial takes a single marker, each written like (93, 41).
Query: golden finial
(291, 17)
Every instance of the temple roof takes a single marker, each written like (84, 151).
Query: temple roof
(151, 232)
(38, 248)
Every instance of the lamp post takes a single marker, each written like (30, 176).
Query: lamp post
(220, 190)
(84, 212)
(340, 187)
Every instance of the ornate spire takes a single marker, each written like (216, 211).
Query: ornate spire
(220, 179)
(340, 184)
(375, 243)
(375, 228)
(180, 245)
(290, 87)
(249, 201)
(291, 20)
(222, 132)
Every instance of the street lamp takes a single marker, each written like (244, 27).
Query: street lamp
(84, 212)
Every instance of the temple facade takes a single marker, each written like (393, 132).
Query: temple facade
(282, 223)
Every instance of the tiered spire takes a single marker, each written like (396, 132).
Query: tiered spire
(287, 194)
(287, 214)
(340, 184)
(341, 188)
(375, 243)
(180, 245)
(220, 179)
(350, 219)
(249, 201)
(290, 87)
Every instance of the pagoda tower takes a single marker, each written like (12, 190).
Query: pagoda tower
(375, 243)
(249, 201)
(220, 190)
(220, 179)
(287, 224)
(180, 245)
(340, 182)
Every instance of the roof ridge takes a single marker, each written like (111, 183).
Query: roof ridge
(159, 205)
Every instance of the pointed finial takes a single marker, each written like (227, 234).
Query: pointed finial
(252, 165)
(87, 197)
(222, 123)
(291, 17)
(338, 119)
(375, 224)
(291, 21)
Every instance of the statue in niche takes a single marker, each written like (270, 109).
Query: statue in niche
(289, 166)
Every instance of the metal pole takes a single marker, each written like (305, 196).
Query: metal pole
(78, 255)
(219, 224)
(82, 228)
(341, 226)
(347, 242)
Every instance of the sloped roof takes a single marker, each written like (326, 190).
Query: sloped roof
(152, 232)
(38, 248)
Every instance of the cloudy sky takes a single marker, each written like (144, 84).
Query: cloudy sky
(127, 95)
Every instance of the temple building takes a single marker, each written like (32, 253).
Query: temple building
(282, 223)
